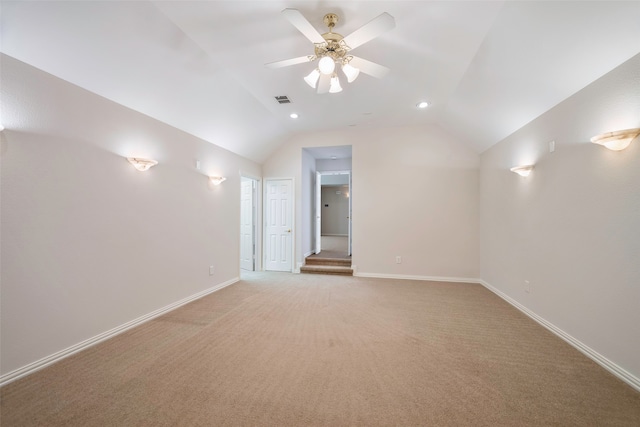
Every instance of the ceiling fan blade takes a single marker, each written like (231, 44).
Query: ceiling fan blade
(300, 22)
(368, 67)
(324, 83)
(287, 62)
(370, 30)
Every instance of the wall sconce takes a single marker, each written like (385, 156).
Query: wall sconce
(522, 170)
(618, 140)
(217, 180)
(142, 164)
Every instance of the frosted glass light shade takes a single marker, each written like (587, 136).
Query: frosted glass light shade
(142, 164)
(522, 170)
(350, 71)
(326, 65)
(217, 180)
(335, 85)
(618, 140)
(312, 78)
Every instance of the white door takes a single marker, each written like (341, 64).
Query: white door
(318, 212)
(279, 225)
(247, 235)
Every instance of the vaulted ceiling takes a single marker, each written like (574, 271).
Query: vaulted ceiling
(486, 67)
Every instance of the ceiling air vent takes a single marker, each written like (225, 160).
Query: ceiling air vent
(283, 100)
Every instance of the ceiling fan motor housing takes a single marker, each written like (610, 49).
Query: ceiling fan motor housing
(334, 46)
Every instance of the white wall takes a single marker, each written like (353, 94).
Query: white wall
(572, 228)
(306, 234)
(88, 242)
(329, 165)
(337, 179)
(335, 210)
(432, 221)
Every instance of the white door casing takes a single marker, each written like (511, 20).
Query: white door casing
(349, 238)
(279, 224)
(247, 227)
(318, 209)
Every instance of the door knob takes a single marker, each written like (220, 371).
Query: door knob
(289, 231)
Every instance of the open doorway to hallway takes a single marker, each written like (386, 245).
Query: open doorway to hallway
(326, 198)
(333, 213)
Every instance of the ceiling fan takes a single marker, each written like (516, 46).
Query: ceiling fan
(332, 50)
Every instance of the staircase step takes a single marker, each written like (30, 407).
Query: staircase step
(326, 269)
(342, 262)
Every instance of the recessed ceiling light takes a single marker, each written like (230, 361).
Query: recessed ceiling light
(293, 115)
(334, 158)
(422, 104)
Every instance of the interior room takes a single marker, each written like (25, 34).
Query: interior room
(167, 167)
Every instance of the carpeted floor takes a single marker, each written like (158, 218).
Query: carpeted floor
(333, 247)
(282, 349)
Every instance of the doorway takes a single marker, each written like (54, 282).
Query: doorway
(333, 212)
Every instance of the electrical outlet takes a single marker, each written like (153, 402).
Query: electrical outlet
(527, 286)
(211, 270)
(398, 260)
(552, 146)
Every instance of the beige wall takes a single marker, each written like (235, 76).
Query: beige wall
(415, 195)
(572, 228)
(88, 242)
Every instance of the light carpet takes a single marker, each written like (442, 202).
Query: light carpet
(303, 350)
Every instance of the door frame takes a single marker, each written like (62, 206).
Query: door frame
(293, 220)
(257, 225)
(254, 220)
(318, 208)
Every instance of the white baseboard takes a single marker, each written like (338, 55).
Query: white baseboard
(308, 254)
(607, 364)
(46, 361)
(410, 277)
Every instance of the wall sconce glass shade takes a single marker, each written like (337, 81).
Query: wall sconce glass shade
(326, 65)
(312, 78)
(522, 170)
(142, 164)
(217, 180)
(618, 140)
(350, 71)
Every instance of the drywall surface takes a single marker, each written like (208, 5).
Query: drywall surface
(415, 195)
(88, 242)
(335, 210)
(572, 228)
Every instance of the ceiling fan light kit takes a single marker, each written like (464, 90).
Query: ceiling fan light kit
(326, 65)
(312, 78)
(331, 49)
(350, 71)
(335, 87)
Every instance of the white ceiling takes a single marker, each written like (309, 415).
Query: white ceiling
(487, 67)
